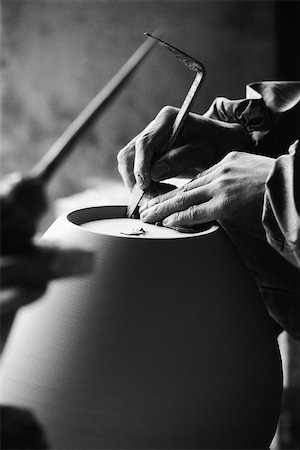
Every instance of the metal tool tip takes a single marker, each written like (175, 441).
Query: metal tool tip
(153, 37)
(155, 33)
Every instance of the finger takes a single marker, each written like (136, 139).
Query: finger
(13, 298)
(125, 165)
(142, 163)
(147, 144)
(126, 158)
(206, 177)
(44, 264)
(179, 202)
(194, 215)
(152, 142)
(222, 168)
(201, 180)
(160, 198)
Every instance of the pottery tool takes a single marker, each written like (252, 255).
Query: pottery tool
(149, 342)
(198, 67)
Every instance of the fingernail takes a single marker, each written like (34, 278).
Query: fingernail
(145, 206)
(167, 222)
(159, 170)
(144, 215)
(70, 262)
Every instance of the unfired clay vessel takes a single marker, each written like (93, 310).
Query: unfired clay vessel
(167, 344)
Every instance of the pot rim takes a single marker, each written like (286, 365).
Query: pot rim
(84, 215)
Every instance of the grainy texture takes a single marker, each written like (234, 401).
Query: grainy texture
(151, 350)
(57, 55)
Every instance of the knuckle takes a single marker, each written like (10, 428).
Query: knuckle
(226, 169)
(167, 112)
(124, 155)
(233, 155)
(179, 200)
(139, 141)
(153, 202)
(193, 213)
(219, 185)
(124, 164)
(139, 153)
(142, 142)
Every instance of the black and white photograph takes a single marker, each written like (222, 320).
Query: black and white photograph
(150, 224)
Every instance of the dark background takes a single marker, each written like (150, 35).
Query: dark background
(56, 55)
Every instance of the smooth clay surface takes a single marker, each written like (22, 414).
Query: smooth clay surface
(165, 344)
(126, 227)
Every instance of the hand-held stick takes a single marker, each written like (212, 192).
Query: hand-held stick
(22, 196)
(198, 67)
(63, 146)
(23, 200)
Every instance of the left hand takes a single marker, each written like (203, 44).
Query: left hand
(201, 142)
(232, 189)
(25, 276)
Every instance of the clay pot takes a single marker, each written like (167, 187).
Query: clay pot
(167, 344)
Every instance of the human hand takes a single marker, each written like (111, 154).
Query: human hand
(231, 189)
(201, 143)
(24, 277)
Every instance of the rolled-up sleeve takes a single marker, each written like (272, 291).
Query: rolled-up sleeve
(271, 114)
(271, 247)
(281, 213)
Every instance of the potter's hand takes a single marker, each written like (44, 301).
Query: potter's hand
(24, 277)
(232, 189)
(201, 143)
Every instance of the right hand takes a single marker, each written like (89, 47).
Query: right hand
(231, 190)
(202, 142)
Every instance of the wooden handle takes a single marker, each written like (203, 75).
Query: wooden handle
(64, 145)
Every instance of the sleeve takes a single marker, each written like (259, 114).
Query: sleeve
(281, 212)
(271, 248)
(271, 115)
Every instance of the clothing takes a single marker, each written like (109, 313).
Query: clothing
(271, 247)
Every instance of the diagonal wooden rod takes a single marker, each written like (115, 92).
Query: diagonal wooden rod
(52, 160)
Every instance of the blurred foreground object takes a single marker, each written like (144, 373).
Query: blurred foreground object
(131, 344)
(26, 266)
(23, 198)
(20, 430)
